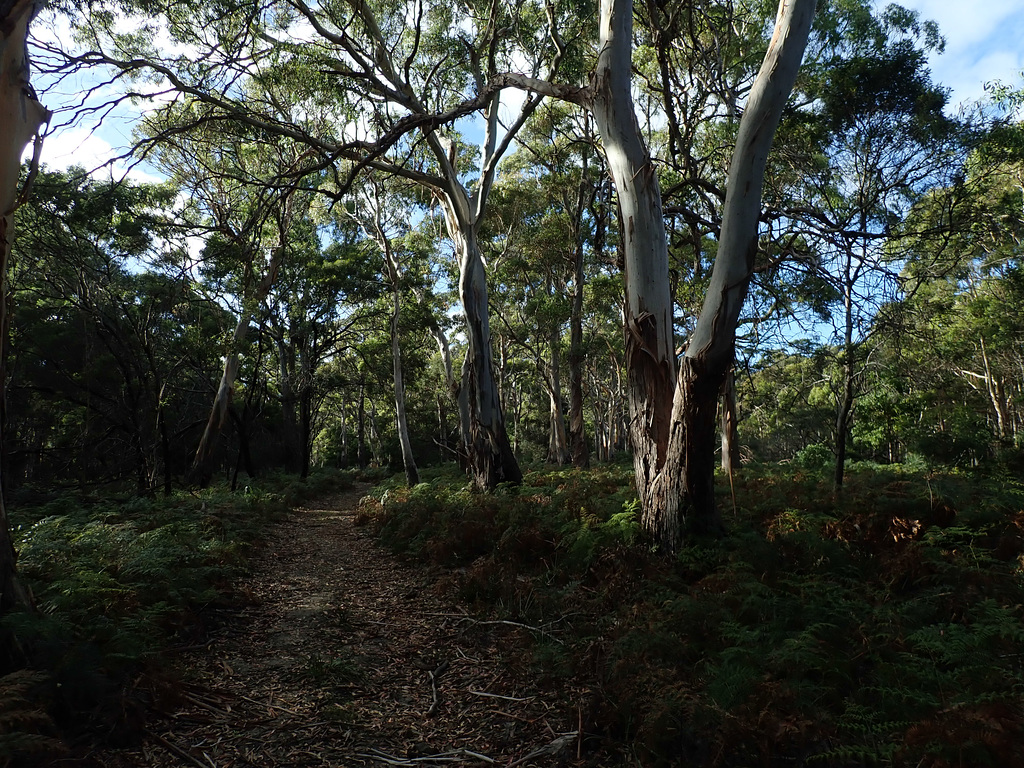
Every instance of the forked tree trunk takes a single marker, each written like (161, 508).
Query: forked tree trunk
(710, 353)
(21, 117)
(672, 423)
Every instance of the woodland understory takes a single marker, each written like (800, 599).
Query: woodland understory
(542, 383)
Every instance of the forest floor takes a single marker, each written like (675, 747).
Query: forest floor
(341, 654)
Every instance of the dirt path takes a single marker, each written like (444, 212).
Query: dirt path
(346, 656)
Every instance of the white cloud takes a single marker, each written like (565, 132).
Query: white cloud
(67, 147)
(983, 43)
(966, 24)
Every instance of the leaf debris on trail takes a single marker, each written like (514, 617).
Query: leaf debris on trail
(344, 655)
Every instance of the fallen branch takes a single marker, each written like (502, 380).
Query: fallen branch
(503, 713)
(560, 744)
(454, 756)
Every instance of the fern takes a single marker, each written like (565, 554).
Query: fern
(24, 727)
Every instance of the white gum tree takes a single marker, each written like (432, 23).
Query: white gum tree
(673, 407)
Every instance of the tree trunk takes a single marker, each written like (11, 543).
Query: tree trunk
(289, 403)
(202, 465)
(21, 117)
(843, 419)
(305, 411)
(361, 454)
(376, 441)
(202, 469)
(165, 443)
(558, 444)
(650, 357)
(412, 476)
(491, 459)
(578, 449)
(996, 394)
(844, 404)
(453, 390)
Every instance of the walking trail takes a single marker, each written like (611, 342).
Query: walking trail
(344, 655)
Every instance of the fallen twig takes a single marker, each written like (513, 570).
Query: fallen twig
(499, 696)
(384, 757)
(175, 750)
(503, 713)
(206, 705)
(520, 625)
(270, 705)
(454, 756)
(477, 756)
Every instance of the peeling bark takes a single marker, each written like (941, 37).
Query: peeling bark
(710, 353)
(730, 423)
(650, 357)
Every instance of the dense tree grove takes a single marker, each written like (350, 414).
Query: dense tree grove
(412, 233)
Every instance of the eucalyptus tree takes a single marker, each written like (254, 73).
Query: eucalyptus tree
(383, 82)
(527, 245)
(239, 194)
(322, 301)
(672, 411)
(21, 118)
(964, 329)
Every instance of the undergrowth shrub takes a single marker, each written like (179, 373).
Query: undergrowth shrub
(883, 627)
(26, 730)
(120, 584)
